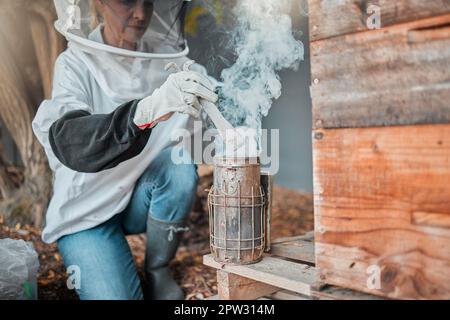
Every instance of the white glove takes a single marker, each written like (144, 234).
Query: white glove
(179, 93)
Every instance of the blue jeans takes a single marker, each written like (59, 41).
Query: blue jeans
(165, 191)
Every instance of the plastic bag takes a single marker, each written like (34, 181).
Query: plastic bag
(19, 265)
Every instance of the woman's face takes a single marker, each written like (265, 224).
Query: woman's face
(126, 20)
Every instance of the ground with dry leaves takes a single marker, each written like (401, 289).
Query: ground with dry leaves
(292, 214)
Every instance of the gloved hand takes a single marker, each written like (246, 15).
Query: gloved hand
(179, 93)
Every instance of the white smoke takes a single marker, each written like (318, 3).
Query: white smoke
(264, 45)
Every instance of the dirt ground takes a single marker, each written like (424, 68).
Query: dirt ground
(292, 214)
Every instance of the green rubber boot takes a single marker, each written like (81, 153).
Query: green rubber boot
(163, 239)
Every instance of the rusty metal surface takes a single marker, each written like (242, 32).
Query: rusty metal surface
(237, 211)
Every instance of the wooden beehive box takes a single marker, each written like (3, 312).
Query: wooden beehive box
(381, 139)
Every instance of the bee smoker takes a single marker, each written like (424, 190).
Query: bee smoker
(239, 210)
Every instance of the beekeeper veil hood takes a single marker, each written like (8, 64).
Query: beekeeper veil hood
(147, 35)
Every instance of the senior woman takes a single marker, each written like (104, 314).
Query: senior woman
(106, 132)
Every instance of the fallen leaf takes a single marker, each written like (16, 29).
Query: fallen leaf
(44, 282)
(190, 295)
(200, 296)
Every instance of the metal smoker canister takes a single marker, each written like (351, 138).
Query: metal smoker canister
(237, 216)
(267, 187)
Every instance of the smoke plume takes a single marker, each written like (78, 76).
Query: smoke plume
(264, 45)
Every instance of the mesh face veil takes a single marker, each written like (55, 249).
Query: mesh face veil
(161, 34)
(124, 72)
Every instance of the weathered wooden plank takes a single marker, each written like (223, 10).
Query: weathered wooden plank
(288, 295)
(296, 249)
(234, 287)
(431, 219)
(382, 78)
(331, 18)
(382, 203)
(309, 236)
(280, 273)
(328, 293)
(279, 295)
(336, 293)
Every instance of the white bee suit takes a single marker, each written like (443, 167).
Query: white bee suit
(97, 81)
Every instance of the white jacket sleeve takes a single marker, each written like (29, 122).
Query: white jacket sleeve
(69, 93)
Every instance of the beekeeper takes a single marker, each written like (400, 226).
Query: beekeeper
(107, 134)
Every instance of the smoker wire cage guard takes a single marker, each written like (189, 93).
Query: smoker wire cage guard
(237, 212)
(229, 248)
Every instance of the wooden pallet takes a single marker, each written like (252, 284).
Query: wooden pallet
(287, 273)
